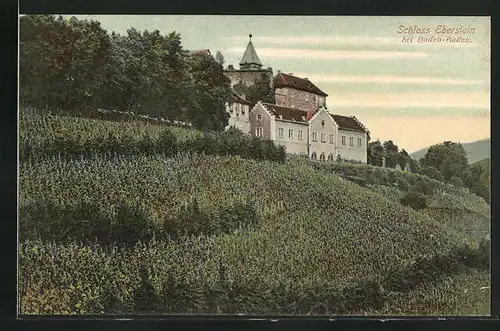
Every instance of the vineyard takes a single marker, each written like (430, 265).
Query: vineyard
(228, 232)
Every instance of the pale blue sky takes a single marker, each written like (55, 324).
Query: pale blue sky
(416, 94)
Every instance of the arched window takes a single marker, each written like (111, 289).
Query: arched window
(313, 156)
(259, 117)
(330, 157)
(322, 156)
(323, 124)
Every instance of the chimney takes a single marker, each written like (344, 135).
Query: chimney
(291, 73)
(278, 72)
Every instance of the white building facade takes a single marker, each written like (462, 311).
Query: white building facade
(239, 113)
(323, 136)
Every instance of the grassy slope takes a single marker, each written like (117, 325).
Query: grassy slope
(315, 226)
(476, 151)
(317, 230)
(485, 165)
(466, 294)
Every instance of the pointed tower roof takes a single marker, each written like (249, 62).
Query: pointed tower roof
(250, 60)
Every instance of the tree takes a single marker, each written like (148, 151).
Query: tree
(260, 91)
(375, 153)
(449, 158)
(61, 61)
(403, 158)
(210, 91)
(391, 154)
(433, 173)
(456, 181)
(219, 58)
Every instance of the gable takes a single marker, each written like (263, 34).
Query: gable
(348, 123)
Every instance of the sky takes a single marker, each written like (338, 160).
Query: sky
(414, 93)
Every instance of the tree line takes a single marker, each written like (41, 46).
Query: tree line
(446, 162)
(76, 66)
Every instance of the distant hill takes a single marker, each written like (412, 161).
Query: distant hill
(476, 151)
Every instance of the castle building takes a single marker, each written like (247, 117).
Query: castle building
(250, 70)
(239, 113)
(295, 92)
(318, 134)
(299, 120)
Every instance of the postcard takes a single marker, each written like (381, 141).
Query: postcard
(254, 165)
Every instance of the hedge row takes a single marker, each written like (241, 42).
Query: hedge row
(167, 143)
(129, 224)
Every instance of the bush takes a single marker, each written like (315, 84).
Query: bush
(402, 184)
(433, 173)
(425, 187)
(456, 181)
(414, 200)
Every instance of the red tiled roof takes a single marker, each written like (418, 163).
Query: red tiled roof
(348, 123)
(287, 113)
(238, 99)
(284, 80)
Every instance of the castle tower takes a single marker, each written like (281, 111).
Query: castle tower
(250, 70)
(250, 60)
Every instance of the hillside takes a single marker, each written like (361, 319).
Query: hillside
(476, 151)
(223, 234)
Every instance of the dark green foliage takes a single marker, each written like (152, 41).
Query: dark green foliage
(85, 222)
(457, 181)
(478, 179)
(448, 158)
(426, 187)
(433, 173)
(235, 144)
(192, 219)
(402, 184)
(375, 153)
(88, 222)
(259, 91)
(414, 200)
(391, 154)
(74, 66)
(428, 269)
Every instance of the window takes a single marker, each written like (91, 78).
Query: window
(343, 140)
(323, 137)
(323, 124)
(280, 132)
(259, 117)
(315, 136)
(330, 157)
(322, 157)
(290, 133)
(331, 139)
(237, 110)
(231, 108)
(299, 135)
(243, 110)
(313, 156)
(258, 132)
(351, 141)
(359, 142)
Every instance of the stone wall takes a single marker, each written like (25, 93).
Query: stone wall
(249, 77)
(290, 97)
